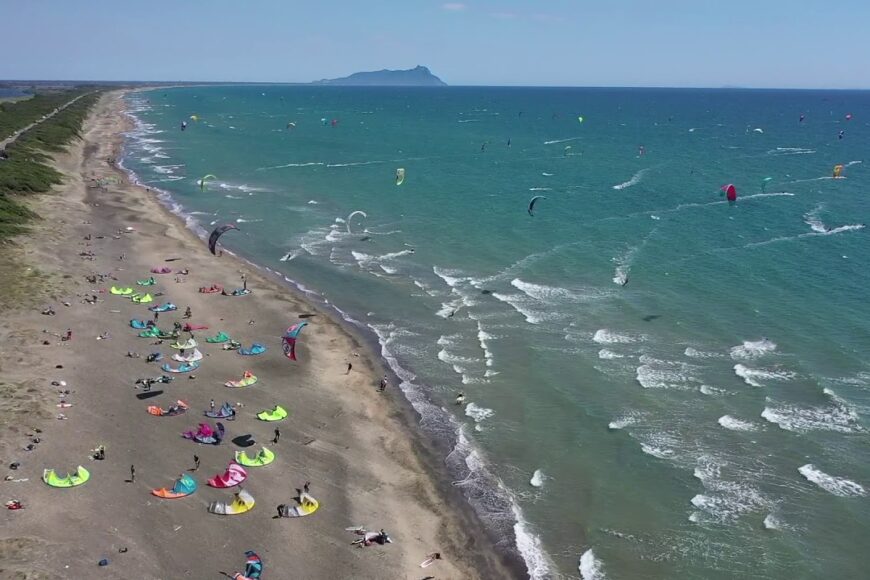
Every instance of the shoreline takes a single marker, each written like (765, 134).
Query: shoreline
(524, 557)
(455, 532)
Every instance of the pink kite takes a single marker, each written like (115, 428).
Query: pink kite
(234, 475)
(188, 327)
(161, 270)
(289, 339)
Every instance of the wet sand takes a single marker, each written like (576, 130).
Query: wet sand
(351, 442)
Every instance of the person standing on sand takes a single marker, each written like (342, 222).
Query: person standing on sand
(68, 335)
(383, 385)
(132, 474)
(195, 462)
(211, 404)
(187, 312)
(156, 316)
(277, 436)
(349, 368)
(244, 282)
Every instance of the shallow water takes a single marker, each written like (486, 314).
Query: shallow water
(706, 420)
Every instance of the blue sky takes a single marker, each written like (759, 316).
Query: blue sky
(756, 43)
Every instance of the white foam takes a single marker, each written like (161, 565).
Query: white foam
(771, 522)
(477, 413)
(753, 377)
(751, 350)
(537, 478)
(695, 353)
(606, 354)
(591, 568)
(663, 374)
(734, 424)
(555, 141)
(708, 390)
(306, 164)
(605, 336)
(313, 202)
(625, 420)
(838, 417)
(834, 485)
(531, 549)
(635, 179)
(540, 189)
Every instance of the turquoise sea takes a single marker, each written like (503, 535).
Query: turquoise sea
(709, 419)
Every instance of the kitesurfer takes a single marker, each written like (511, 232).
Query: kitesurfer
(624, 281)
(841, 135)
(483, 147)
(509, 142)
(460, 398)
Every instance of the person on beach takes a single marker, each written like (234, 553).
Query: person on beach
(132, 474)
(195, 461)
(349, 368)
(306, 486)
(68, 335)
(277, 436)
(156, 317)
(244, 282)
(187, 312)
(211, 404)
(383, 384)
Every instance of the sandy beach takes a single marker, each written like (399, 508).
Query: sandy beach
(350, 441)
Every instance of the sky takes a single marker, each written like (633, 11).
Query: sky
(675, 43)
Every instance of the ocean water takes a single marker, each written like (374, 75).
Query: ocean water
(708, 419)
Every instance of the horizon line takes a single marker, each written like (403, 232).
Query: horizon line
(145, 83)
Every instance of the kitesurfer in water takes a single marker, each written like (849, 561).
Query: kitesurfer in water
(841, 135)
(624, 281)
(483, 147)
(509, 142)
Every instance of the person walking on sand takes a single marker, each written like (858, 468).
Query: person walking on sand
(195, 462)
(211, 404)
(277, 436)
(383, 384)
(187, 312)
(349, 368)
(156, 316)
(132, 474)
(306, 486)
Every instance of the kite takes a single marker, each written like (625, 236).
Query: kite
(532, 203)
(350, 217)
(289, 339)
(204, 179)
(730, 192)
(216, 233)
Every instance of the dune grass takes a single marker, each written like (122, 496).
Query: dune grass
(26, 170)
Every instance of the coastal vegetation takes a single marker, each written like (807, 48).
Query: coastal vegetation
(24, 167)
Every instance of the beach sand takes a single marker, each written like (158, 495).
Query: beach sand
(351, 442)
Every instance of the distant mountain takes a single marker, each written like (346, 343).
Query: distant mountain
(419, 76)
